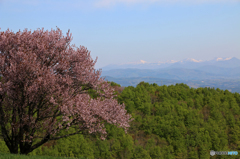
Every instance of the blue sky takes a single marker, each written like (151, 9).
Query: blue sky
(123, 31)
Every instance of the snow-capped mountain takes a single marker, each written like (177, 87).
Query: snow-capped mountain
(145, 62)
(191, 60)
(222, 59)
(189, 63)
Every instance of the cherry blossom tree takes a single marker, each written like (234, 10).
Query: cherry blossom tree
(44, 90)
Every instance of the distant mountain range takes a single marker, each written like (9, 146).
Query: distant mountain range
(219, 73)
(189, 63)
(188, 69)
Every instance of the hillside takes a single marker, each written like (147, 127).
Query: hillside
(232, 85)
(171, 122)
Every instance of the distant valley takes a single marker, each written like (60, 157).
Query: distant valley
(223, 74)
(177, 73)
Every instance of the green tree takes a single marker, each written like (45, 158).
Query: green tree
(155, 152)
(141, 153)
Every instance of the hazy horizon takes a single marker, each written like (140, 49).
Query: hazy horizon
(174, 61)
(123, 31)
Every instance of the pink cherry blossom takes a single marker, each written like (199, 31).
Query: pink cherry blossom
(42, 93)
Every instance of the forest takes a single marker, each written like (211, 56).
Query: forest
(170, 122)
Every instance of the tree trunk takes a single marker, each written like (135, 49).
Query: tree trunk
(26, 149)
(14, 149)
